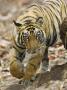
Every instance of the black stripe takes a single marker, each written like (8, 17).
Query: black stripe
(18, 46)
(34, 5)
(58, 21)
(54, 2)
(54, 35)
(48, 6)
(53, 27)
(37, 8)
(20, 56)
(53, 6)
(49, 37)
(27, 17)
(18, 39)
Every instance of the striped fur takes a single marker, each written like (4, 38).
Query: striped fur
(63, 32)
(37, 29)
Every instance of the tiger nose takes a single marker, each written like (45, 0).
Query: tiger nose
(33, 42)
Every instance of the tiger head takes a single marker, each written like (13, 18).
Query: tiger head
(30, 32)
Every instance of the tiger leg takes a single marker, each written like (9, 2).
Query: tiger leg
(16, 69)
(16, 66)
(45, 61)
(44, 66)
(30, 71)
(32, 67)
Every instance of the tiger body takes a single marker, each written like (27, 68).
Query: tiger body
(37, 30)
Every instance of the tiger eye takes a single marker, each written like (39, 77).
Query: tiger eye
(25, 36)
(40, 36)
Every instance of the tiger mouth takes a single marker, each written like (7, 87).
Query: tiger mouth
(32, 51)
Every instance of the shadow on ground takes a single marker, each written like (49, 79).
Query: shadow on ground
(56, 73)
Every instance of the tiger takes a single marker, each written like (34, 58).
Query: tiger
(37, 29)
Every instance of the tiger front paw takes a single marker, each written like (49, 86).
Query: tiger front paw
(16, 69)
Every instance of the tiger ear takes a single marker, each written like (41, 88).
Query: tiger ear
(16, 24)
(40, 20)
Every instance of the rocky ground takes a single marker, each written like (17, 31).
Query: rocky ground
(56, 79)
